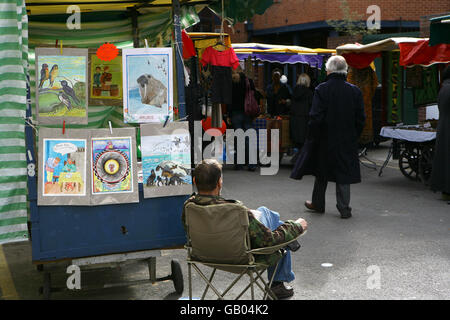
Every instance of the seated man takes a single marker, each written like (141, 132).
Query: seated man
(265, 227)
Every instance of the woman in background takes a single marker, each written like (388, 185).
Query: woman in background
(277, 96)
(301, 105)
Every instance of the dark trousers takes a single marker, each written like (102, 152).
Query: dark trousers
(241, 121)
(342, 196)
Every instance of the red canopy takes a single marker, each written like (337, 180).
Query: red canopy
(413, 51)
(421, 53)
(360, 60)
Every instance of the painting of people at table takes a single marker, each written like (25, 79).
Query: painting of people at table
(106, 78)
(64, 167)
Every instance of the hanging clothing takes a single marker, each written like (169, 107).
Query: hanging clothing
(366, 80)
(226, 58)
(221, 88)
(188, 46)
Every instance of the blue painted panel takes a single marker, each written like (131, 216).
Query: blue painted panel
(60, 232)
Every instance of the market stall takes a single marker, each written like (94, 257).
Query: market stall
(103, 172)
(410, 81)
(258, 61)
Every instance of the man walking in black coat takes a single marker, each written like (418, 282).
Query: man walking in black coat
(336, 122)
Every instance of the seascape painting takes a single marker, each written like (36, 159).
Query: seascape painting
(166, 162)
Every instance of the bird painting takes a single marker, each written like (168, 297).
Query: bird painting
(44, 75)
(53, 74)
(65, 100)
(69, 91)
(176, 141)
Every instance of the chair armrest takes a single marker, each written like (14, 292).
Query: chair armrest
(273, 249)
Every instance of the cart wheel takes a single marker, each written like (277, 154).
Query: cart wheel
(426, 164)
(409, 163)
(177, 276)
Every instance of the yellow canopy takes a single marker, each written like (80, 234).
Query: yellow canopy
(271, 48)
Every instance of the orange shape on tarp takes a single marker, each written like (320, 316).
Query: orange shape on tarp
(107, 52)
(206, 125)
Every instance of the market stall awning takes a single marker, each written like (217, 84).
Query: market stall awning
(45, 7)
(413, 51)
(440, 30)
(281, 54)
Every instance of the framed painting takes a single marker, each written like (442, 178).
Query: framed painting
(166, 159)
(147, 85)
(61, 86)
(62, 178)
(105, 81)
(113, 166)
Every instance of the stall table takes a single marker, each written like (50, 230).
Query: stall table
(413, 146)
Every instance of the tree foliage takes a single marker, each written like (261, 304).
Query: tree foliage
(352, 22)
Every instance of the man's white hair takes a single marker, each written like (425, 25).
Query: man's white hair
(337, 64)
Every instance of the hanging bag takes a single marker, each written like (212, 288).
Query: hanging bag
(251, 106)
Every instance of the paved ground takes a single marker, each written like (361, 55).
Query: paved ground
(399, 232)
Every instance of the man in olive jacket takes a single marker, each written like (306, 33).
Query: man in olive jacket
(336, 121)
(265, 227)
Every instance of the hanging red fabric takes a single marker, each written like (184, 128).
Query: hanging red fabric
(360, 60)
(188, 46)
(420, 53)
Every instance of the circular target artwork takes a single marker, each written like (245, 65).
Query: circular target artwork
(111, 166)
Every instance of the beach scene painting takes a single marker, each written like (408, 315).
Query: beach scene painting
(166, 164)
(61, 87)
(148, 85)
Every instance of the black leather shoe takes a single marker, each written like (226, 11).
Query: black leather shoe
(310, 206)
(281, 291)
(346, 215)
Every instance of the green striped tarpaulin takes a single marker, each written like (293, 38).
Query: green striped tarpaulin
(13, 91)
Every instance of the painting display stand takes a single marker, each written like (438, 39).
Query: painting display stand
(91, 235)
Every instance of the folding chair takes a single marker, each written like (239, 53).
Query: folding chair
(218, 238)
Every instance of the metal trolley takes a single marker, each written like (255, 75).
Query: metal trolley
(413, 147)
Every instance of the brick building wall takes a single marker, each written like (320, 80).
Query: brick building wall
(284, 14)
(287, 12)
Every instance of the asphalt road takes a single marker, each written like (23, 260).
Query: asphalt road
(396, 245)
